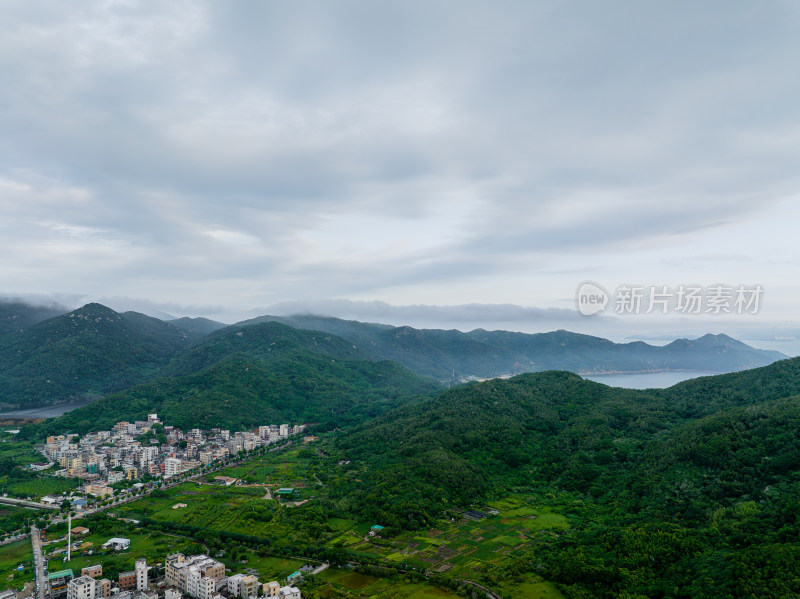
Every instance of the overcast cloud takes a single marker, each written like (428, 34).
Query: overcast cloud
(212, 158)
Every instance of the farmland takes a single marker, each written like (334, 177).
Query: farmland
(457, 548)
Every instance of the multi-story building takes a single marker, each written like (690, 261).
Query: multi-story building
(141, 574)
(102, 588)
(99, 490)
(272, 589)
(58, 582)
(172, 566)
(82, 587)
(172, 467)
(95, 571)
(248, 587)
(235, 584)
(193, 576)
(206, 588)
(186, 574)
(127, 580)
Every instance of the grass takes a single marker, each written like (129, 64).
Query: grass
(45, 485)
(11, 556)
(346, 583)
(269, 568)
(22, 452)
(530, 587)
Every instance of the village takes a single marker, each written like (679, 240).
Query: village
(146, 450)
(197, 576)
(139, 453)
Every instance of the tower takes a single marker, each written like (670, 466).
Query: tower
(69, 538)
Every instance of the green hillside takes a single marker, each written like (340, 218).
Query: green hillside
(85, 353)
(686, 492)
(241, 392)
(202, 326)
(263, 341)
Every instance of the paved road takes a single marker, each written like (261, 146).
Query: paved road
(489, 592)
(24, 503)
(38, 560)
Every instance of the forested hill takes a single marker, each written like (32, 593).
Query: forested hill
(16, 314)
(295, 385)
(85, 353)
(202, 326)
(261, 341)
(448, 355)
(676, 493)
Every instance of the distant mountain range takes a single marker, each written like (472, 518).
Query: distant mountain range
(689, 491)
(93, 351)
(479, 354)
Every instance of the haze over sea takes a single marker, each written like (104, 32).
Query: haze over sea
(646, 380)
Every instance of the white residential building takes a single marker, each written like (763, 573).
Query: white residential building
(235, 584)
(141, 574)
(172, 467)
(290, 593)
(193, 577)
(82, 587)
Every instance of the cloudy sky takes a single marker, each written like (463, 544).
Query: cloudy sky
(218, 158)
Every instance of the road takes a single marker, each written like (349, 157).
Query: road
(489, 592)
(24, 503)
(38, 560)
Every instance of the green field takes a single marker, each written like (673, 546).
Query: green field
(11, 556)
(463, 548)
(22, 452)
(344, 583)
(36, 488)
(529, 587)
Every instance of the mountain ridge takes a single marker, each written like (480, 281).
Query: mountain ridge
(480, 354)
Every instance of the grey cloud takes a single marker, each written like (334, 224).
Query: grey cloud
(378, 311)
(207, 139)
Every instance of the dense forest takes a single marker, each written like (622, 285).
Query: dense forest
(686, 492)
(241, 392)
(87, 353)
